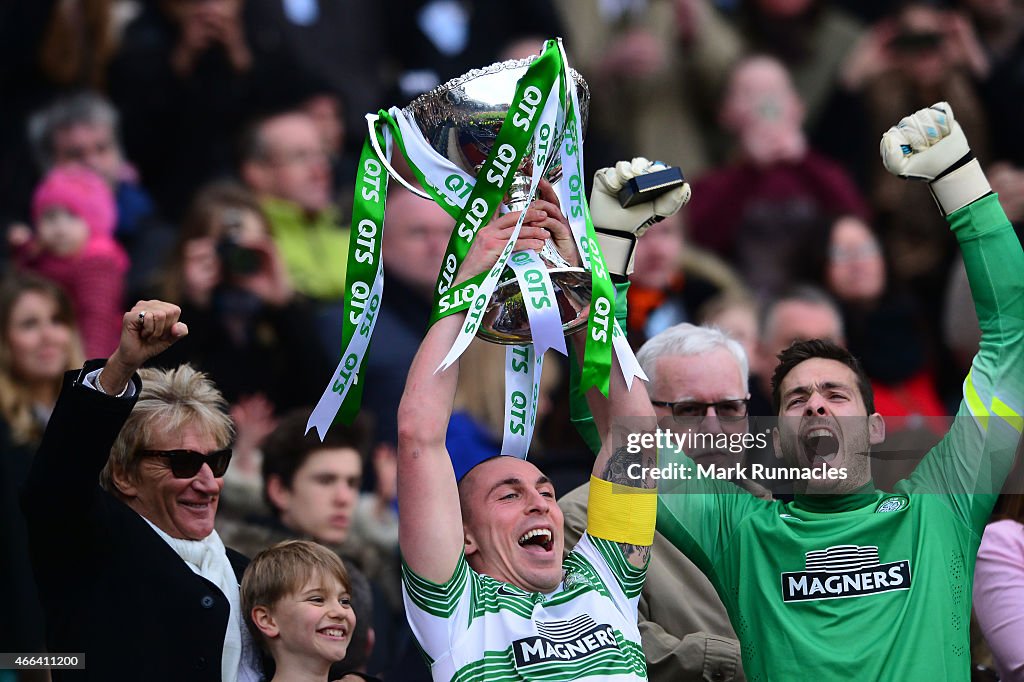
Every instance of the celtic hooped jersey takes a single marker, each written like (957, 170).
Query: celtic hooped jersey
(474, 628)
(876, 586)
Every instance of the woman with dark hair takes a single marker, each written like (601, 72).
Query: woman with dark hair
(38, 343)
(882, 325)
(249, 329)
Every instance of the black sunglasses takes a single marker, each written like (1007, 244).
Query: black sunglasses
(187, 463)
(726, 410)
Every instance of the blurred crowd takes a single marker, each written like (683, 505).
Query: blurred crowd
(203, 152)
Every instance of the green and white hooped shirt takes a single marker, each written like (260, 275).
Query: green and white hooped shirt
(474, 628)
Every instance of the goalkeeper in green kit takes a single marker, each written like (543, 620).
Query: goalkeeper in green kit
(846, 581)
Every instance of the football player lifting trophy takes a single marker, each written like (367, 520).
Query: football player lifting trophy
(478, 145)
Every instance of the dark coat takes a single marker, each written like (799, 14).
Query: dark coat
(111, 587)
(21, 627)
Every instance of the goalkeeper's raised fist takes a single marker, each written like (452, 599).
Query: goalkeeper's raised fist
(930, 145)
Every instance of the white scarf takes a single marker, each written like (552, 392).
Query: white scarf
(208, 558)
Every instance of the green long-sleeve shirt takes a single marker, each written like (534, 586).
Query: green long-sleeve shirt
(314, 248)
(876, 586)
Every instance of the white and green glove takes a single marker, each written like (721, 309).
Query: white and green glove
(930, 145)
(617, 228)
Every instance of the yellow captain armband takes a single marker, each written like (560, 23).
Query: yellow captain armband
(621, 513)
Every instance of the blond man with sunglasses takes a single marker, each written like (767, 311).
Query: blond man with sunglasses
(130, 570)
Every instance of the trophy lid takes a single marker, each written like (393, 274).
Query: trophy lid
(461, 119)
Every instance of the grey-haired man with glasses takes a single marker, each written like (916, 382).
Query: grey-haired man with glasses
(698, 386)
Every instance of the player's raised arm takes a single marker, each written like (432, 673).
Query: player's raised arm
(627, 412)
(977, 454)
(430, 524)
(614, 513)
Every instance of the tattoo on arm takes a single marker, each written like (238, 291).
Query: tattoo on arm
(616, 472)
(617, 469)
(641, 552)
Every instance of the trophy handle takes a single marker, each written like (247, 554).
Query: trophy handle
(371, 124)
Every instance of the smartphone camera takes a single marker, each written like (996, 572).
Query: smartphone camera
(235, 258)
(916, 41)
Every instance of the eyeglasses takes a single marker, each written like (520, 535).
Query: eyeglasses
(846, 254)
(297, 157)
(725, 410)
(187, 463)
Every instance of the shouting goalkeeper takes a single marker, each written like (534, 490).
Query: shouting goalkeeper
(847, 582)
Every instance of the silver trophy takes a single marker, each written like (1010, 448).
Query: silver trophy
(460, 120)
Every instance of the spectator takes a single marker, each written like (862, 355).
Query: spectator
(375, 525)
(758, 212)
(343, 46)
(311, 491)
(284, 162)
(671, 280)
(1000, 34)
(654, 68)
(360, 648)
(881, 325)
(83, 128)
(999, 580)
(144, 534)
(434, 42)
(800, 314)
(700, 375)
(74, 214)
(811, 38)
(328, 110)
(736, 315)
(248, 329)
(47, 49)
(38, 343)
(300, 604)
(297, 601)
(185, 80)
(312, 486)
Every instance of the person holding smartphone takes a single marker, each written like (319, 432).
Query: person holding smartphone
(250, 330)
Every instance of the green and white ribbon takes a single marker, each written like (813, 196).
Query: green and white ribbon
(523, 368)
(628, 363)
(364, 290)
(531, 272)
(597, 356)
(494, 179)
(496, 175)
(523, 364)
(473, 202)
(539, 299)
